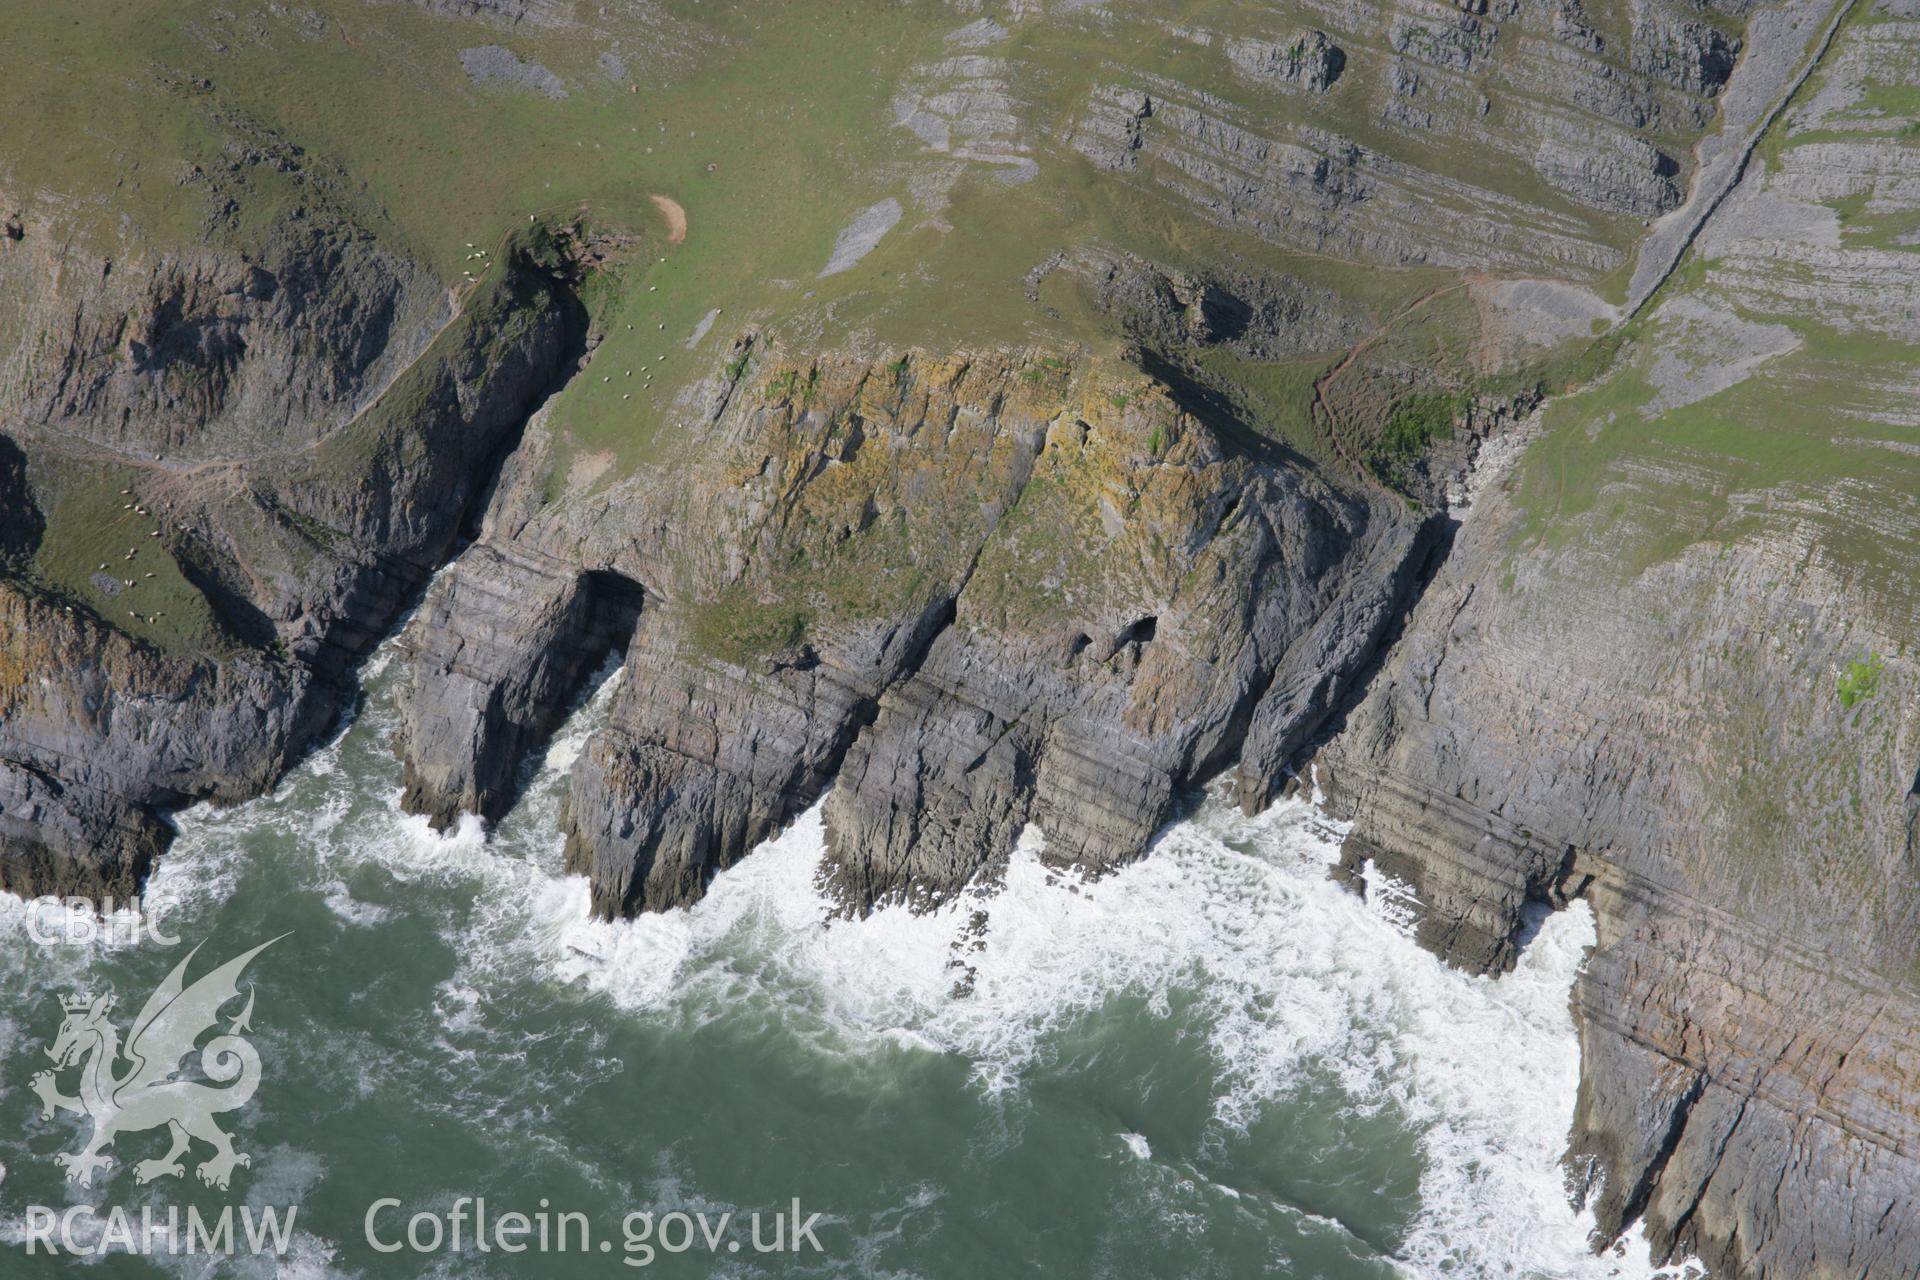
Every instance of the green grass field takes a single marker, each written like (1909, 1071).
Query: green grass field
(770, 125)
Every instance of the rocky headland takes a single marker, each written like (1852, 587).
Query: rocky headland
(1525, 453)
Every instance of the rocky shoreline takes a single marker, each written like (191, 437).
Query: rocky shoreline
(1745, 1044)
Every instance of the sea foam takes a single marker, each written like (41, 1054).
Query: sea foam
(1294, 978)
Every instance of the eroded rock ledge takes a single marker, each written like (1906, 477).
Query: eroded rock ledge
(978, 592)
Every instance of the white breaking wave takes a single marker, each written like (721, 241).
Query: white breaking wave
(1295, 980)
(1297, 974)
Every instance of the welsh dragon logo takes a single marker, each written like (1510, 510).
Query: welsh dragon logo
(146, 1093)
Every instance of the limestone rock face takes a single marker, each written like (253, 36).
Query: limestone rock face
(499, 651)
(1119, 632)
(1308, 61)
(100, 733)
(1624, 175)
(1342, 153)
(1533, 738)
(1652, 650)
(195, 356)
(1685, 52)
(1682, 691)
(510, 13)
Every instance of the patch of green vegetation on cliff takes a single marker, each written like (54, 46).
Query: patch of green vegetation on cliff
(437, 162)
(820, 578)
(866, 505)
(741, 628)
(1034, 567)
(369, 110)
(1882, 98)
(1890, 98)
(1074, 546)
(1274, 397)
(1800, 428)
(1415, 423)
(512, 298)
(1860, 679)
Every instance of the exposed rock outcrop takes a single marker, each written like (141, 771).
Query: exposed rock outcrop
(1490, 87)
(972, 592)
(1680, 687)
(1742, 1031)
(496, 67)
(1623, 175)
(543, 13)
(1031, 595)
(1687, 53)
(1262, 317)
(195, 357)
(1120, 630)
(1308, 61)
(501, 648)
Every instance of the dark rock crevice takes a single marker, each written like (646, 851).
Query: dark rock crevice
(950, 729)
(995, 733)
(1329, 670)
(1736, 1052)
(500, 655)
(21, 522)
(685, 839)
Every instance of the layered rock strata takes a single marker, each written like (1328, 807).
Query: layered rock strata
(1665, 672)
(977, 591)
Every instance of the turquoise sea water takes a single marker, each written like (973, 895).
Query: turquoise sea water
(1213, 1064)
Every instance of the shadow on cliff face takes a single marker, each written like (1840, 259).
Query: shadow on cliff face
(1436, 537)
(236, 613)
(21, 524)
(596, 632)
(577, 340)
(307, 559)
(1913, 821)
(471, 745)
(1218, 414)
(613, 603)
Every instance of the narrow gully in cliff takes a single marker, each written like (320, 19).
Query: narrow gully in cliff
(386, 588)
(1345, 686)
(1432, 545)
(630, 827)
(576, 337)
(1634, 1204)
(595, 627)
(923, 632)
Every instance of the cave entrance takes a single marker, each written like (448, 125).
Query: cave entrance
(609, 611)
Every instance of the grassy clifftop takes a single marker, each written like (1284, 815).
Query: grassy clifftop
(967, 152)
